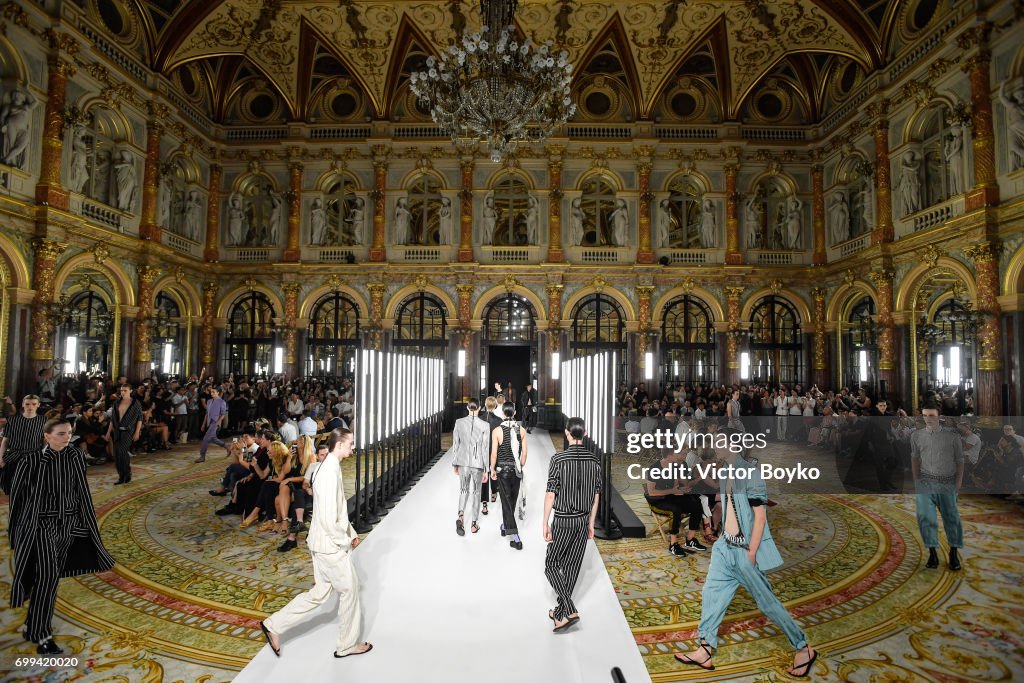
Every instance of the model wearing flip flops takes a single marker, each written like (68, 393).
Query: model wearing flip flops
(470, 449)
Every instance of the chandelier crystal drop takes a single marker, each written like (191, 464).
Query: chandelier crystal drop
(493, 87)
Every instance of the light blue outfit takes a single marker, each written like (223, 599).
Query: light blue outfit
(730, 567)
(939, 453)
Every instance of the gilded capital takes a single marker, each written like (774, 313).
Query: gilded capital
(983, 252)
(464, 289)
(645, 291)
(554, 289)
(48, 250)
(818, 293)
(881, 278)
(291, 289)
(733, 292)
(148, 273)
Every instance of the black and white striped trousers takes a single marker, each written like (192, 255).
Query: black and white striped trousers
(564, 559)
(54, 536)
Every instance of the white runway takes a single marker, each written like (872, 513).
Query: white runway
(440, 608)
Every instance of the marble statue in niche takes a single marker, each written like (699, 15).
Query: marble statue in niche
(15, 122)
(620, 223)
(576, 218)
(794, 222)
(909, 183)
(317, 222)
(867, 205)
(274, 223)
(78, 174)
(127, 182)
(237, 228)
(490, 219)
(355, 222)
(708, 227)
(163, 202)
(664, 224)
(445, 221)
(402, 218)
(1013, 100)
(953, 151)
(752, 211)
(193, 217)
(839, 218)
(533, 221)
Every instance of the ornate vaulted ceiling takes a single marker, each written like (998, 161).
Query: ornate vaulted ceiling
(784, 61)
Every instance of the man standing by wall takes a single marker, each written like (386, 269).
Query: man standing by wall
(331, 540)
(937, 461)
(573, 491)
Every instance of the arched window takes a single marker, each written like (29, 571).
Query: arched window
(167, 340)
(952, 353)
(775, 342)
(333, 337)
(250, 336)
(688, 342)
(860, 352)
(425, 207)
(597, 203)
(509, 319)
(512, 202)
(420, 326)
(685, 214)
(765, 214)
(345, 214)
(86, 332)
(598, 324)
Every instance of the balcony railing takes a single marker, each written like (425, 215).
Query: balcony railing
(692, 257)
(182, 244)
(931, 216)
(420, 254)
(776, 258)
(530, 254)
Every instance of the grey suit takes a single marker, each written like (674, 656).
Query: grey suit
(470, 451)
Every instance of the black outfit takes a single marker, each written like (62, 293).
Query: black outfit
(528, 408)
(53, 532)
(574, 476)
(489, 486)
(122, 433)
(24, 435)
(249, 491)
(677, 504)
(508, 478)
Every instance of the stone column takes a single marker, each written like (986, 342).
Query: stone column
(820, 348)
(293, 252)
(644, 339)
(883, 231)
(211, 254)
(555, 252)
(207, 333)
(986, 189)
(291, 333)
(142, 353)
(818, 187)
(882, 280)
(148, 227)
(465, 254)
(732, 313)
(552, 389)
(378, 252)
(44, 270)
(733, 254)
(50, 191)
(990, 340)
(644, 164)
(465, 292)
(377, 292)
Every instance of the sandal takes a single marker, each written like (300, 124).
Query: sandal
(685, 658)
(266, 526)
(246, 524)
(485, 508)
(475, 527)
(805, 668)
(266, 634)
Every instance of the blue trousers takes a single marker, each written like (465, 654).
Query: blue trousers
(731, 568)
(210, 437)
(931, 495)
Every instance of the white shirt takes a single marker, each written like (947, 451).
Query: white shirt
(330, 531)
(180, 403)
(972, 449)
(307, 427)
(295, 407)
(289, 432)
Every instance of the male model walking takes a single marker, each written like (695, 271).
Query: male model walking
(470, 440)
(937, 461)
(573, 491)
(331, 540)
(216, 414)
(740, 557)
(53, 529)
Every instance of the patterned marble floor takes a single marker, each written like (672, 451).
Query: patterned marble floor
(183, 602)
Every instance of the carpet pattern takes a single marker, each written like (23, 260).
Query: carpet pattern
(183, 602)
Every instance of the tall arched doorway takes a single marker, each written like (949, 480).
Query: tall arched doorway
(776, 345)
(249, 342)
(509, 344)
(333, 337)
(688, 353)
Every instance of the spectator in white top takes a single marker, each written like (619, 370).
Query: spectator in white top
(287, 429)
(1010, 433)
(971, 442)
(295, 406)
(179, 403)
(782, 404)
(632, 425)
(307, 426)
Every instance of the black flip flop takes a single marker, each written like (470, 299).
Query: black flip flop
(566, 626)
(806, 667)
(460, 528)
(266, 634)
(353, 654)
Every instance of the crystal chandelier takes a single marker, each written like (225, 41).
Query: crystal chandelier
(492, 86)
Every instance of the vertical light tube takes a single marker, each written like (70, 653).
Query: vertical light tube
(379, 394)
(675, 369)
(862, 362)
(555, 366)
(648, 365)
(954, 365)
(361, 408)
(71, 354)
(461, 363)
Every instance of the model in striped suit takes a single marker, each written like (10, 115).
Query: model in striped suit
(22, 434)
(573, 491)
(53, 529)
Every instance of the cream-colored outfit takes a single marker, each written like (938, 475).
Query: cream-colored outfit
(330, 544)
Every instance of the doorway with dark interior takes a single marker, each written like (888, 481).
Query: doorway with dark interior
(508, 364)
